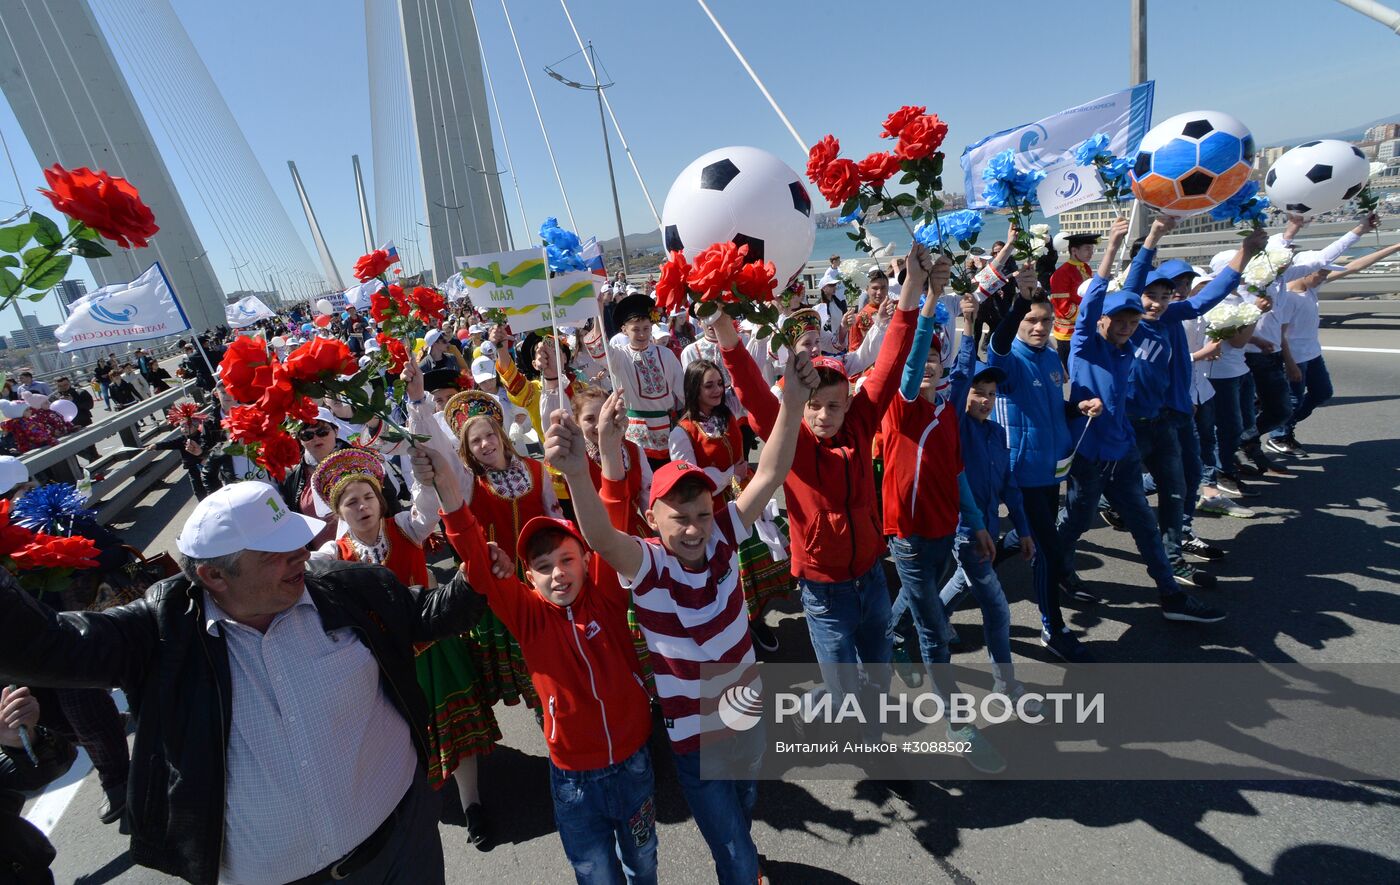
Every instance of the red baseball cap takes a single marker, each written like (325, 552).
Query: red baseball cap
(835, 365)
(538, 524)
(665, 479)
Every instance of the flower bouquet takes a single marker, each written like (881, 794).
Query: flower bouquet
(1009, 188)
(98, 206)
(1224, 321)
(959, 229)
(1113, 171)
(1264, 268)
(721, 276)
(42, 563)
(1247, 206)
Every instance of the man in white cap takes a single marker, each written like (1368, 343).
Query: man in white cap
(279, 722)
(442, 354)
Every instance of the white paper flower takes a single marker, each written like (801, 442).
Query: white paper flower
(856, 271)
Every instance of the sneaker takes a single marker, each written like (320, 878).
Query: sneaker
(113, 803)
(1294, 448)
(1183, 607)
(1223, 506)
(1065, 646)
(905, 667)
(981, 755)
(1111, 517)
(1264, 464)
(1014, 693)
(1232, 486)
(1149, 485)
(763, 635)
(1273, 468)
(1188, 574)
(1245, 468)
(1277, 446)
(1194, 546)
(1075, 588)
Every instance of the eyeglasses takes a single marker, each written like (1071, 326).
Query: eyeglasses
(314, 432)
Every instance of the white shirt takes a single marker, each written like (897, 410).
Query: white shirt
(1304, 340)
(1272, 323)
(317, 755)
(1231, 363)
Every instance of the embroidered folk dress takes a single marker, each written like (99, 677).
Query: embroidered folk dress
(653, 388)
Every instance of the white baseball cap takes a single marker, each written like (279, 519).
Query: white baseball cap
(247, 515)
(12, 473)
(371, 346)
(483, 369)
(433, 337)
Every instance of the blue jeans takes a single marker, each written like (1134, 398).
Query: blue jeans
(1314, 389)
(920, 563)
(1042, 505)
(1189, 445)
(1159, 446)
(849, 622)
(978, 576)
(1271, 384)
(607, 820)
(1229, 423)
(723, 809)
(1205, 432)
(1121, 482)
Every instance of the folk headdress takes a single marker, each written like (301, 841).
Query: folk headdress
(344, 466)
(800, 322)
(469, 404)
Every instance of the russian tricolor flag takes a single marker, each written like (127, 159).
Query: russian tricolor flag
(392, 250)
(592, 255)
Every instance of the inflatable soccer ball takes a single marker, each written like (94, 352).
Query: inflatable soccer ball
(746, 195)
(1191, 162)
(1317, 176)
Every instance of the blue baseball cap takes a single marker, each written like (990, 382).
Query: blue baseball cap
(1173, 268)
(1120, 301)
(1157, 276)
(985, 372)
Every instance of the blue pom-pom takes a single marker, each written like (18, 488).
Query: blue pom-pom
(55, 508)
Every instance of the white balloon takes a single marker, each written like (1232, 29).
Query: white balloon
(1316, 177)
(67, 408)
(746, 195)
(324, 307)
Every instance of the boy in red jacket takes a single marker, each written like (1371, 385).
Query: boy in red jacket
(835, 521)
(571, 622)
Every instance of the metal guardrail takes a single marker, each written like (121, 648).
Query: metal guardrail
(126, 473)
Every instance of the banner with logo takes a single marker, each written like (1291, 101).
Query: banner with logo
(142, 309)
(1066, 187)
(1123, 116)
(575, 298)
(246, 311)
(358, 296)
(513, 283)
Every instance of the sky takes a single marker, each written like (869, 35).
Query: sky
(295, 78)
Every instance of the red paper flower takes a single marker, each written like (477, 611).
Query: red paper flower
(670, 285)
(372, 265)
(320, 359)
(388, 303)
(428, 305)
(246, 369)
(398, 356)
(106, 203)
(249, 424)
(921, 137)
(821, 155)
(878, 168)
(279, 394)
(51, 551)
(303, 409)
(278, 454)
(712, 274)
(839, 181)
(757, 280)
(895, 123)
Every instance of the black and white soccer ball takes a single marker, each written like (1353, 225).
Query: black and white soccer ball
(746, 195)
(1317, 176)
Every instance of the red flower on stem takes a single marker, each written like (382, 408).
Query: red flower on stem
(428, 305)
(372, 264)
(320, 359)
(921, 137)
(52, 551)
(821, 155)
(839, 181)
(106, 203)
(670, 285)
(388, 303)
(712, 274)
(278, 454)
(398, 356)
(895, 123)
(878, 168)
(246, 369)
(757, 280)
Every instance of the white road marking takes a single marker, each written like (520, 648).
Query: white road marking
(53, 802)
(1361, 349)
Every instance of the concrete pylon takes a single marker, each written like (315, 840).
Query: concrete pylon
(74, 105)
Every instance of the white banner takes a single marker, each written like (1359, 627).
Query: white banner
(511, 282)
(1067, 186)
(358, 296)
(246, 311)
(1123, 116)
(142, 309)
(575, 298)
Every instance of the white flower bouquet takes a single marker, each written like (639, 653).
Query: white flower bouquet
(1265, 267)
(1224, 321)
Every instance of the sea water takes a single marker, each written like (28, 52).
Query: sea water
(833, 240)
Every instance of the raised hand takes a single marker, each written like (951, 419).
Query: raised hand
(413, 381)
(612, 421)
(800, 378)
(564, 448)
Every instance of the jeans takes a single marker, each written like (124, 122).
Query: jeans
(1042, 505)
(979, 576)
(1311, 391)
(849, 622)
(1271, 385)
(1160, 448)
(1189, 446)
(106, 387)
(1205, 432)
(1229, 422)
(920, 562)
(1121, 482)
(723, 809)
(607, 820)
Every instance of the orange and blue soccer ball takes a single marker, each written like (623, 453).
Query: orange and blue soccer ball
(1189, 163)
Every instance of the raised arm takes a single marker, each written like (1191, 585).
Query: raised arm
(775, 461)
(39, 646)
(1225, 282)
(564, 451)
(913, 376)
(749, 385)
(1142, 262)
(1364, 262)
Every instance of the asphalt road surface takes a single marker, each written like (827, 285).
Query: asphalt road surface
(1313, 579)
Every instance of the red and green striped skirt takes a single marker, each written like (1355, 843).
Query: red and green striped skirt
(504, 676)
(764, 579)
(460, 725)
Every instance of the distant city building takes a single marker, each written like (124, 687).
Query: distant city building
(1386, 150)
(1264, 159)
(1383, 132)
(34, 333)
(70, 291)
(4, 343)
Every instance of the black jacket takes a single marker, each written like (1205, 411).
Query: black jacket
(176, 679)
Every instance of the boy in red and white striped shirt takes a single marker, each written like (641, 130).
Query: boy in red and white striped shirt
(687, 596)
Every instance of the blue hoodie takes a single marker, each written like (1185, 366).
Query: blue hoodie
(1030, 402)
(1150, 375)
(1171, 325)
(1098, 369)
(986, 459)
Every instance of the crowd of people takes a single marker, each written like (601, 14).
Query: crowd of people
(607, 530)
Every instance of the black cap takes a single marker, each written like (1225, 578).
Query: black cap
(633, 306)
(442, 379)
(1081, 240)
